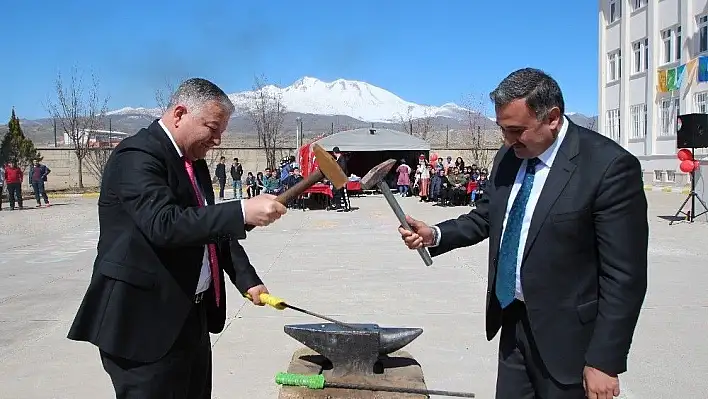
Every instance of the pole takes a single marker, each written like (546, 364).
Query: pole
(110, 132)
(693, 188)
(55, 132)
(447, 136)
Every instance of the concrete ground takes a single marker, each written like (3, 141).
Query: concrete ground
(351, 266)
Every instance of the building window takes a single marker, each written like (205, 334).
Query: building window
(612, 124)
(637, 4)
(658, 174)
(666, 46)
(614, 66)
(640, 59)
(700, 102)
(638, 113)
(703, 33)
(668, 112)
(615, 10)
(678, 43)
(671, 176)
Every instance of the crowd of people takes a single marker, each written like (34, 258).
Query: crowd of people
(269, 181)
(442, 182)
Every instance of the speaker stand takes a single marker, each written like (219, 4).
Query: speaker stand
(692, 196)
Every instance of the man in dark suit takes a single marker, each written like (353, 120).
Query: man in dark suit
(566, 217)
(157, 287)
(220, 173)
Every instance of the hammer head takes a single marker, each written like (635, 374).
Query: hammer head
(377, 174)
(329, 167)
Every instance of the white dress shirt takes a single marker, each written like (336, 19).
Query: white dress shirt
(542, 169)
(205, 274)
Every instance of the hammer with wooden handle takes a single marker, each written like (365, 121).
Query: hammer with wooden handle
(328, 168)
(376, 177)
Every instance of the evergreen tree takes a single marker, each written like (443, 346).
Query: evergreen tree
(15, 146)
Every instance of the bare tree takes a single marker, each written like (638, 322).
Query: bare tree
(162, 95)
(475, 120)
(267, 113)
(79, 112)
(424, 126)
(407, 121)
(96, 160)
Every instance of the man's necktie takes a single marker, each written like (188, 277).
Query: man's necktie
(508, 253)
(213, 260)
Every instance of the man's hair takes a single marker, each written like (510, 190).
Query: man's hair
(539, 89)
(196, 92)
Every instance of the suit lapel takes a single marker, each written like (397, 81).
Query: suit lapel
(503, 182)
(175, 160)
(558, 177)
(201, 170)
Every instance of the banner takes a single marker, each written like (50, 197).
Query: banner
(662, 86)
(703, 69)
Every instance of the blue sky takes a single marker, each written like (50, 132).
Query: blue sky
(424, 52)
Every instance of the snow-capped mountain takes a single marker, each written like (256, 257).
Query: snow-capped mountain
(359, 100)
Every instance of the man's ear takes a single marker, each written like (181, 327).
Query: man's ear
(554, 118)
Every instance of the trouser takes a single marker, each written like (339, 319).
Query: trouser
(39, 192)
(341, 198)
(238, 189)
(184, 373)
(222, 184)
(521, 373)
(14, 193)
(1, 191)
(403, 190)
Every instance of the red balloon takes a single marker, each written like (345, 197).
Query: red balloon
(684, 154)
(687, 166)
(433, 157)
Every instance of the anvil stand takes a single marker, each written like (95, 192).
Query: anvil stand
(692, 196)
(368, 355)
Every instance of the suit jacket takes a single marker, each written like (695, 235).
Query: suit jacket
(151, 248)
(584, 268)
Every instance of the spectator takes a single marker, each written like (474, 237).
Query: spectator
(2, 182)
(236, 175)
(13, 180)
(422, 178)
(251, 187)
(220, 174)
(37, 176)
(260, 183)
(404, 178)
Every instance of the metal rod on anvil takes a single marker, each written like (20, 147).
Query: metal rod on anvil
(280, 304)
(318, 382)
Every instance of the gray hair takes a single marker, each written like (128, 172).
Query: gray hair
(196, 92)
(539, 89)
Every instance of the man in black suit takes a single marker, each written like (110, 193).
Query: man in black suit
(157, 287)
(566, 217)
(220, 174)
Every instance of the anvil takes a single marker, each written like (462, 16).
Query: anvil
(352, 351)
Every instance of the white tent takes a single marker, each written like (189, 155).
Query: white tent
(373, 139)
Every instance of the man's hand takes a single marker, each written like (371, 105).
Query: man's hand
(255, 293)
(599, 385)
(422, 234)
(263, 210)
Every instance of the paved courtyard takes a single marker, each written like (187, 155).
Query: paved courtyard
(351, 266)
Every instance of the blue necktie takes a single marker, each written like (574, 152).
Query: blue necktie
(508, 253)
